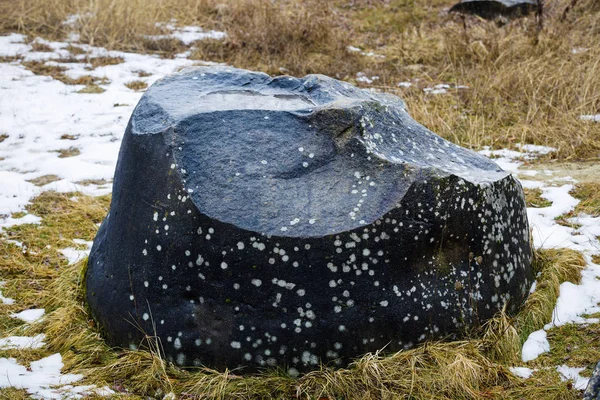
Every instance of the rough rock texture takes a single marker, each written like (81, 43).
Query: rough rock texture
(491, 9)
(260, 221)
(592, 392)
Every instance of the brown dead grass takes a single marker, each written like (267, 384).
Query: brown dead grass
(103, 61)
(39, 277)
(75, 50)
(533, 198)
(41, 47)
(57, 72)
(287, 37)
(91, 89)
(524, 85)
(13, 394)
(589, 195)
(87, 182)
(473, 369)
(71, 151)
(137, 85)
(44, 180)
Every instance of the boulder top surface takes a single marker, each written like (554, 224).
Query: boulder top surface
(295, 157)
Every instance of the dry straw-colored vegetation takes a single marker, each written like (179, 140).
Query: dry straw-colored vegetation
(524, 84)
(476, 368)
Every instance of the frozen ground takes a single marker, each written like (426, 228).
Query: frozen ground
(40, 116)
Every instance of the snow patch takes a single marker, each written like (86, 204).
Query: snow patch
(522, 372)
(593, 118)
(31, 315)
(363, 78)
(352, 49)
(443, 88)
(22, 342)
(40, 379)
(572, 374)
(187, 34)
(535, 345)
(74, 255)
(27, 219)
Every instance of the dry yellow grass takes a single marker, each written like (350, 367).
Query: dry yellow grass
(472, 369)
(533, 198)
(589, 196)
(137, 85)
(57, 72)
(468, 369)
(554, 266)
(524, 85)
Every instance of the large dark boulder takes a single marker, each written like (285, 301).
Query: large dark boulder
(259, 221)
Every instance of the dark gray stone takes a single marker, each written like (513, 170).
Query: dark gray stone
(259, 221)
(492, 9)
(592, 392)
